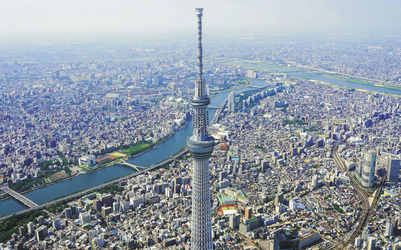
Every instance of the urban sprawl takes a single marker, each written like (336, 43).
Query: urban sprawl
(298, 161)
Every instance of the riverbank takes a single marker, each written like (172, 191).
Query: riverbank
(292, 71)
(233, 88)
(153, 146)
(5, 196)
(381, 85)
(360, 90)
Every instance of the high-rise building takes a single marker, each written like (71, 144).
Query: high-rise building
(41, 233)
(371, 243)
(30, 227)
(21, 230)
(149, 78)
(286, 239)
(279, 199)
(393, 168)
(314, 181)
(234, 221)
(231, 102)
(248, 213)
(158, 79)
(368, 169)
(200, 145)
(389, 228)
(138, 79)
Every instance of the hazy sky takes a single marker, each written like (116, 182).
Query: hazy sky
(152, 16)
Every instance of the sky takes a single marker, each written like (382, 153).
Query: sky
(134, 17)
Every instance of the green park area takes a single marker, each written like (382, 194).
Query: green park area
(10, 226)
(136, 148)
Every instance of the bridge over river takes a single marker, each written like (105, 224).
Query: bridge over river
(27, 202)
(136, 167)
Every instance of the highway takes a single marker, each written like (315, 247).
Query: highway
(218, 112)
(20, 197)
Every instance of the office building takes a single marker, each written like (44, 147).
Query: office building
(393, 168)
(286, 240)
(367, 171)
(84, 218)
(279, 199)
(41, 233)
(248, 213)
(158, 79)
(234, 221)
(88, 160)
(30, 227)
(149, 78)
(21, 230)
(371, 243)
(315, 181)
(389, 228)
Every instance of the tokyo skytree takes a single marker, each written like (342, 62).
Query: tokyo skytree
(200, 145)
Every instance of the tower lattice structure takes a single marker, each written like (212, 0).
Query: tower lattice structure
(200, 145)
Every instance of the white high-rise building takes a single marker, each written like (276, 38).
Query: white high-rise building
(30, 227)
(231, 102)
(200, 145)
(389, 228)
(371, 243)
(368, 169)
(314, 182)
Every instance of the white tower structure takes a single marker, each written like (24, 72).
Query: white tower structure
(231, 102)
(200, 145)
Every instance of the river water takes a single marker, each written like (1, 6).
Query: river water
(84, 181)
(316, 76)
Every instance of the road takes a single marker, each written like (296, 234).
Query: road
(218, 112)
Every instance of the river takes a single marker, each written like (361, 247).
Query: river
(316, 76)
(84, 181)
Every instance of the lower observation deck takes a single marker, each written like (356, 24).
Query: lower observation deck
(200, 149)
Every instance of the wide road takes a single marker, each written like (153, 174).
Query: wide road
(218, 112)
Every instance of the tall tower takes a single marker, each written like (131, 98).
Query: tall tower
(200, 145)
(231, 102)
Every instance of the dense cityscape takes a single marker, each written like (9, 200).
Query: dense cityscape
(303, 137)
